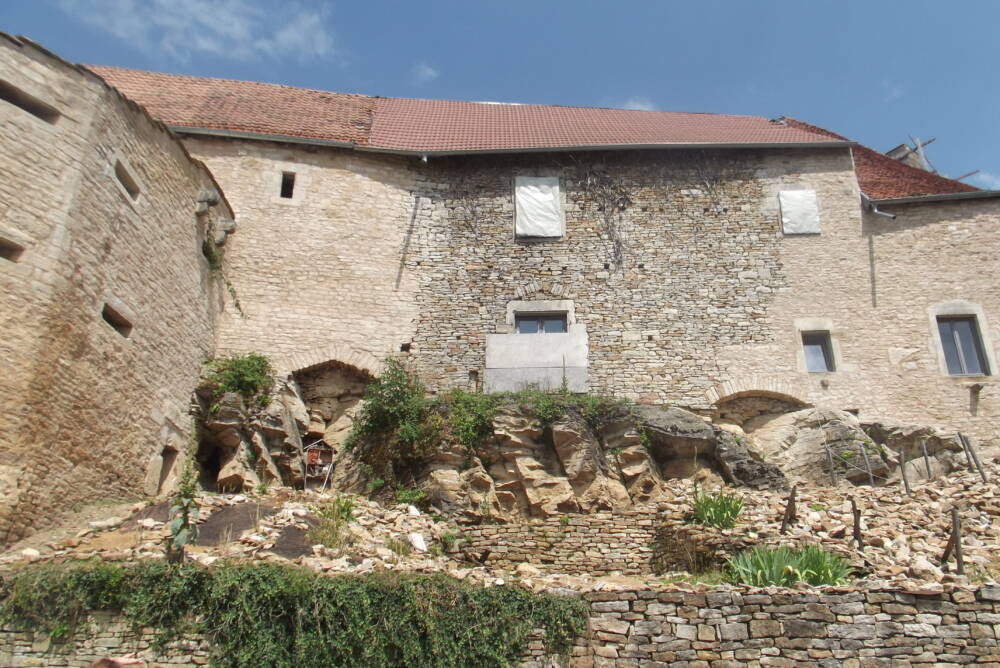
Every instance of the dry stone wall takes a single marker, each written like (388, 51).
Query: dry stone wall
(597, 543)
(669, 627)
(95, 406)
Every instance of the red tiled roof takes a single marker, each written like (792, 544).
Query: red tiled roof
(428, 125)
(439, 125)
(882, 177)
(245, 106)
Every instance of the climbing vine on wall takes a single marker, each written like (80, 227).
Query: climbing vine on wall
(268, 615)
(610, 198)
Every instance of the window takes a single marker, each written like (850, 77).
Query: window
(10, 250)
(962, 346)
(126, 180)
(540, 323)
(33, 106)
(799, 212)
(117, 320)
(818, 351)
(538, 207)
(287, 184)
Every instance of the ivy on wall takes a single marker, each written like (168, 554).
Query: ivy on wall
(268, 615)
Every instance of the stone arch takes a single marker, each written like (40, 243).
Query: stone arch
(749, 399)
(765, 386)
(334, 352)
(535, 287)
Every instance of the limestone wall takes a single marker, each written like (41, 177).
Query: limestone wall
(320, 274)
(597, 543)
(90, 409)
(669, 627)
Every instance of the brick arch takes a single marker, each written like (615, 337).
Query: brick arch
(334, 352)
(755, 385)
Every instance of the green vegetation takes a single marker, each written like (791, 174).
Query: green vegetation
(411, 497)
(266, 615)
(763, 567)
(399, 427)
(250, 375)
(183, 513)
(712, 576)
(715, 510)
(333, 518)
(817, 507)
(399, 546)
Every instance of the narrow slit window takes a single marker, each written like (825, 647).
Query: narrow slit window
(287, 184)
(28, 103)
(10, 250)
(119, 322)
(125, 178)
(962, 345)
(818, 352)
(540, 323)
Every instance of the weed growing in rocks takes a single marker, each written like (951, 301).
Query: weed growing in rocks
(715, 510)
(250, 375)
(783, 567)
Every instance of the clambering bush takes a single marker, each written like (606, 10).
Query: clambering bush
(250, 375)
(268, 615)
(715, 510)
(782, 566)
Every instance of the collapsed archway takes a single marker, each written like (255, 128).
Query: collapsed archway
(331, 392)
(748, 408)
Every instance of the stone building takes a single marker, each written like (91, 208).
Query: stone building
(727, 264)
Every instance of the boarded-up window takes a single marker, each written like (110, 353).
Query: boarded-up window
(538, 207)
(799, 212)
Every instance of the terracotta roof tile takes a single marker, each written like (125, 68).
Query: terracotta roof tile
(245, 106)
(400, 124)
(882, 177)
(438, 125)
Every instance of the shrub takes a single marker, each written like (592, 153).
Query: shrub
(264, 615)
(249, 375)
(393, 404)
(411, 497)
(470, 416)
(715, 510)
(333, 518)
(762, 567)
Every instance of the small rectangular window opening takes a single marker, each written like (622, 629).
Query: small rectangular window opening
(125, 178)
(28, 103)
(287, 184)
(117, 320)
(10, 251)
(818, 351)
(540, 323)
(962, 345)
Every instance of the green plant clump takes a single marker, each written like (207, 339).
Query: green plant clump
(783, 567)
(715, 510)
(249, 375)
(411, 497)
(268, 615)
(333, 517)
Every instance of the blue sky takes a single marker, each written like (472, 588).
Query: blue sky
(874, 71)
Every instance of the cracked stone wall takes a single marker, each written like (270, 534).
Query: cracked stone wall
(89, 411)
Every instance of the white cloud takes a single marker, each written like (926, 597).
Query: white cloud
(423, 73)
(639, 103)
(891, 91)
(986, 180)
(234, 29)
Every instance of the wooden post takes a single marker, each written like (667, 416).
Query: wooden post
(975, 457)
(965, 449)
(857, 525)
(868, 465)
(789, 517)
(927, 460)
(902, 469)
(949, 546)
(956, 530)
(829, 457)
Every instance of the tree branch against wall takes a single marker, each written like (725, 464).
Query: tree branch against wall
(610, 199)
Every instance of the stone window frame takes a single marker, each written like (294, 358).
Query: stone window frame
(117, 158)
(539, 306)
(562, 208)
(962, 308)
(807, 325)
(274, 181)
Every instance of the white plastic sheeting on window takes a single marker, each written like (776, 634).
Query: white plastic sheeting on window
(799, 212)
(538, 207)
